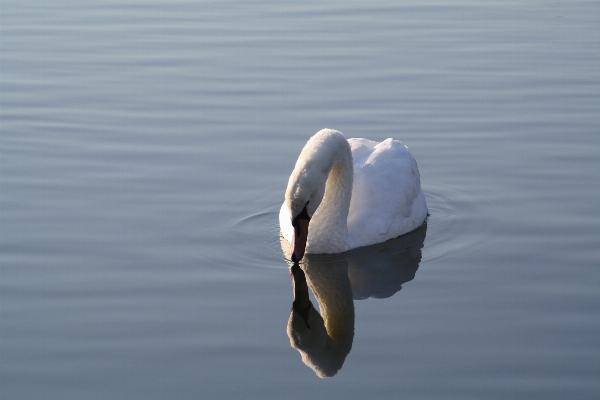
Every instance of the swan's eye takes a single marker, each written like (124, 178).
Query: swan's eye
(302, 215)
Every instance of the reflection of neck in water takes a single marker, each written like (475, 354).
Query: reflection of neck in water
(324, 340)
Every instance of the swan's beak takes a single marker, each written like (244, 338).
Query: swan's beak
(299, 239)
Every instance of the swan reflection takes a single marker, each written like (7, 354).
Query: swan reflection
(324, 339)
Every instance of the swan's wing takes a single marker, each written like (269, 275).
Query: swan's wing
(387, 200)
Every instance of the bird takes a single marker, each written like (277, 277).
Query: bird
(348, 193)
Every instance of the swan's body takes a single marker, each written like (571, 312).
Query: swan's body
(354, 192)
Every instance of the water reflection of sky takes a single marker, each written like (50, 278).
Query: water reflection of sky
(134, 134)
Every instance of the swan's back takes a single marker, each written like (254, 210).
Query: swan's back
(387, 200)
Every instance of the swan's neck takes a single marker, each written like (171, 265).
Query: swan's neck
(328, 232)
(321, 183)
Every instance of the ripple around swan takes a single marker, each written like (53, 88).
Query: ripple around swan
(455, 222)
(256, 236)
(455, 225)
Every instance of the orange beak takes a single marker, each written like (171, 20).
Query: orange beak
(299, 239)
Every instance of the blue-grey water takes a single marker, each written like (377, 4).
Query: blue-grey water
(145, 148)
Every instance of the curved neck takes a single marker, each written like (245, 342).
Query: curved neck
(321, 182)
(328, 232)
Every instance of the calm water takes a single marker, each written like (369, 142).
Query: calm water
(146, 146)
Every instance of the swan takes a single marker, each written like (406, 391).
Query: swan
(352, 193)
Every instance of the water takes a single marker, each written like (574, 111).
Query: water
(146, 146)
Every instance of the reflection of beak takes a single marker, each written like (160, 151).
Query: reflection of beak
(299, 239)
(302, 302)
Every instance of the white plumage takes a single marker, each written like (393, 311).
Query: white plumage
(357, 192)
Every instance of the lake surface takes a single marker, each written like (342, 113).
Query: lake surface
(146, 146)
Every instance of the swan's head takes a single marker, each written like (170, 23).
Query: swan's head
(303, 196)
(306, 185)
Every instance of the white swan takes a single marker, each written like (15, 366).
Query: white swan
(353, 192)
